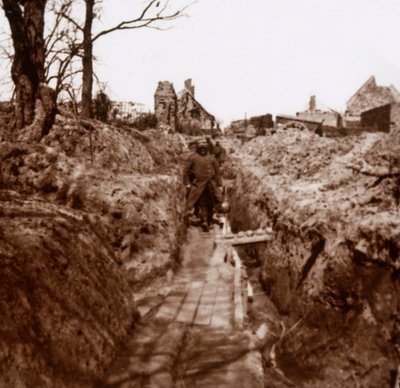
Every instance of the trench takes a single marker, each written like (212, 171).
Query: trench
(333, 319)
(325, 298)
(198, 333)
(311, 320)
(280, 368)
(286, 348)
(174, 346)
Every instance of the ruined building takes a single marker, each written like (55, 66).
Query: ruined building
(191, 114)
(183, 113)
(369, 96)
(127, 110)
(315, 114)
(166, 105)
(383, 118)
(313, 118)
(255, 125)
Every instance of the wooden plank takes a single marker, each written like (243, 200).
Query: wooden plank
(244, 237)
(237, 294)
(188, 309)
(250, 239)
(218, 256)
(222, 313)
(172, 303)
(244, 292)
(212, 274)
(221, 316)
(206, 305)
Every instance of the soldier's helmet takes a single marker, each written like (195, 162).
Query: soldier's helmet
(202, 144)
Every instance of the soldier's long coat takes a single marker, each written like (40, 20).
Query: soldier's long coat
(204, 169)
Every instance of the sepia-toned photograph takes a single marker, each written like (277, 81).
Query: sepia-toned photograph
(199, 194)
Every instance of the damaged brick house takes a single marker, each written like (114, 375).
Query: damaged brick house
(368, 97)
(181, 113)
(191, 114)
(328, 116)
(313, 118)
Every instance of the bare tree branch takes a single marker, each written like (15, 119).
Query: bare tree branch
(145, 21)
(71, 20)
(49, 39)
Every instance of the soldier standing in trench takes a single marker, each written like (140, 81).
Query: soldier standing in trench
(205, 187)
(210, 145)
(219, 153)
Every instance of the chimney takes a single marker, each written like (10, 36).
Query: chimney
(189, 86)
(313, 104)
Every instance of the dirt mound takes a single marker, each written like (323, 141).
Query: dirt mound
(117, 149)
(87, 217)
(65, 303)
(332, 267)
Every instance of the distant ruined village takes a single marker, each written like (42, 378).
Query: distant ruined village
(371, 108)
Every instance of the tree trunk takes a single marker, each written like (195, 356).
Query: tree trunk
(26, 19)
(87, 62)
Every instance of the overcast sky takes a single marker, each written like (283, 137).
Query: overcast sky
(255, 56)
(259, 56)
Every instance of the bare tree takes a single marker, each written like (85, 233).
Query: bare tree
(34, 101)
(87, 61)
(153, 15)
(38, 60)
(6, 56)
(62, 45)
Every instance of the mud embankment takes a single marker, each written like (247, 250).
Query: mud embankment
(332, 269)
(87, 217)
(65, 303)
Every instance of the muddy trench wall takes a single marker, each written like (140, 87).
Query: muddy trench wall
(64, 301)
(78, 240)
(332, 267)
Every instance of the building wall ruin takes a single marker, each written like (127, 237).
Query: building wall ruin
(283, 120)
(329, 118)
(395, 116)
(165, 106)
(182, 112)
(189, 86)
(382, 118)
(191, 113)
(245, 127)
(370, 96)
